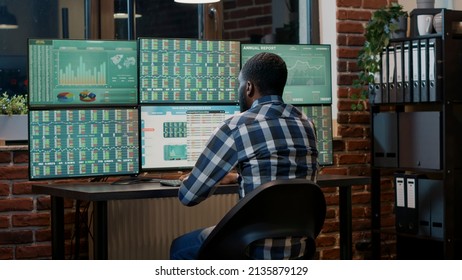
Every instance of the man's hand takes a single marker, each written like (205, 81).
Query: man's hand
(230, 178)
(184, 177)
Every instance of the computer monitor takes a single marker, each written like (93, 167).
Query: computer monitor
(173, 136)
(309, 70)
(82, 73)
(322, 118)
(188, 71)
(67, 143)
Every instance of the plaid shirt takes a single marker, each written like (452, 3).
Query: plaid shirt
(272, 140)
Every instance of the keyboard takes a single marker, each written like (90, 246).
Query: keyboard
(171, 182)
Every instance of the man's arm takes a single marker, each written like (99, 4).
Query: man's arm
(216, 161)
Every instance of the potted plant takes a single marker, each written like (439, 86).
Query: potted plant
(385, 23)
(13, 118)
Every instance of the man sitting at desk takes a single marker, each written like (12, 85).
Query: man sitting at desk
(269, 140)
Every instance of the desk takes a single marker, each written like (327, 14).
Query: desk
(101, 193)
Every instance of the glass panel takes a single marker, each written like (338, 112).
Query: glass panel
(35, 19)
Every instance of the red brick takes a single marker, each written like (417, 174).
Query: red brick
(352, 66)
(358, 145)
(43, 203)
(20, 188)
(358, 212)
(335, 170)
(21, 157)
(361, 224)
(338, 145)
(331, 200)
(16, 204)
(331, 213)
(325, 240)
(14, 172)
(347, 53)
(43, 235)
(352, 159)
(341, 40)
(32, 219)
(350, 27)
(4, 221)
(343, 92)
(376, 4)
(15, 237)
(359, 15)
(349, 3)
(330, 226)
(346, 79)
(4, 189)
(330, 254)
(361, 198)
(361, 117)
(355, 41)
(5, 157)
(6, 253)
(33, 252)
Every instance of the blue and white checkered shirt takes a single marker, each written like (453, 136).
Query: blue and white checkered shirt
(272, 140)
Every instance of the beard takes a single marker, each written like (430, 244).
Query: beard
(242, 101)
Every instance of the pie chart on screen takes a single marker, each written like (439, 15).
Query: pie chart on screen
(65, 97)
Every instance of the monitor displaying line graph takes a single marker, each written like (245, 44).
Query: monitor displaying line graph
(82, 73)
(309, 70)
(188, 70)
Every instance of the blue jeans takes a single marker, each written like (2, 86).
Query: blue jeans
(186, 246)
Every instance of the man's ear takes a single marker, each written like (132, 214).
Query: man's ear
(250, 89)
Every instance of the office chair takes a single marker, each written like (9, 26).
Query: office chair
(279, 208)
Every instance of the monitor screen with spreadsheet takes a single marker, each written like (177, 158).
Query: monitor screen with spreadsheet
(82, 73)
(188, 71)
(309, 70)
(66, 143)
(322, 119)
(173, 136)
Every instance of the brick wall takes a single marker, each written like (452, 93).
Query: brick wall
(352, 150)
(244, 19)
(25, 217)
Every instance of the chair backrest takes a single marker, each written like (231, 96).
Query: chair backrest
(280, 208)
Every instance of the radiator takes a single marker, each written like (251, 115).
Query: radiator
(144, 228)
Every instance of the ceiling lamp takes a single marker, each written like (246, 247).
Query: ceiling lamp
(196, 1)
(120, 10)
(7, 20)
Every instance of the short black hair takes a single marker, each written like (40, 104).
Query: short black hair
(268, 71)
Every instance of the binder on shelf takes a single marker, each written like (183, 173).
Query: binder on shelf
(435, 70)
(384, 77)
(424, 71)
(391, 56)
(407, 218)
(431, 208)
(385, 142)
(399, 64)
(407, 86)
(376, 90)
(412, 225)
(415, 58)
(432, 72)
(400, 203)
(437, 209)
(424, 202)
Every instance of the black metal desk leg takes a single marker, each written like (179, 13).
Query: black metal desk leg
(346, 240)
(100, 230)
(57, 228)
